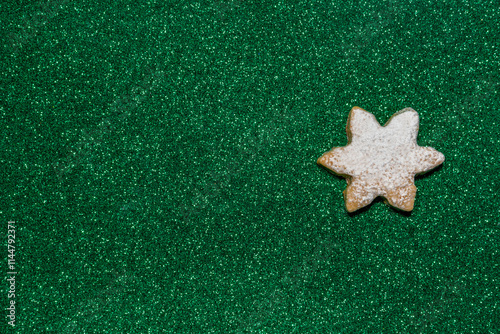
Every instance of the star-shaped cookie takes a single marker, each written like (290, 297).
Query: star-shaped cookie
(381, 160)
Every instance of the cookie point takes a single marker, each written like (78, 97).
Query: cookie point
(322, 160)
(440, 158)
(350, 206)
(408, 109)
(356, 108)
(407, 206)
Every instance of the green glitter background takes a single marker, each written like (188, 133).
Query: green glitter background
(159, 159)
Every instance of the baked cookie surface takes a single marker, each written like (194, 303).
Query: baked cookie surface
(381, 160)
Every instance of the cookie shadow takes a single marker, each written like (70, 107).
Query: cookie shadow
(330, 172)
(365, 208)
(401, 212)
(429, 173)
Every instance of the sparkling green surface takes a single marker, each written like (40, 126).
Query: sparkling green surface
(159, 159)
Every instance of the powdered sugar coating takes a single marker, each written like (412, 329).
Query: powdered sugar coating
(381, 160)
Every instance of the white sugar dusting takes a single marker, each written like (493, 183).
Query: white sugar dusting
(382, 160)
